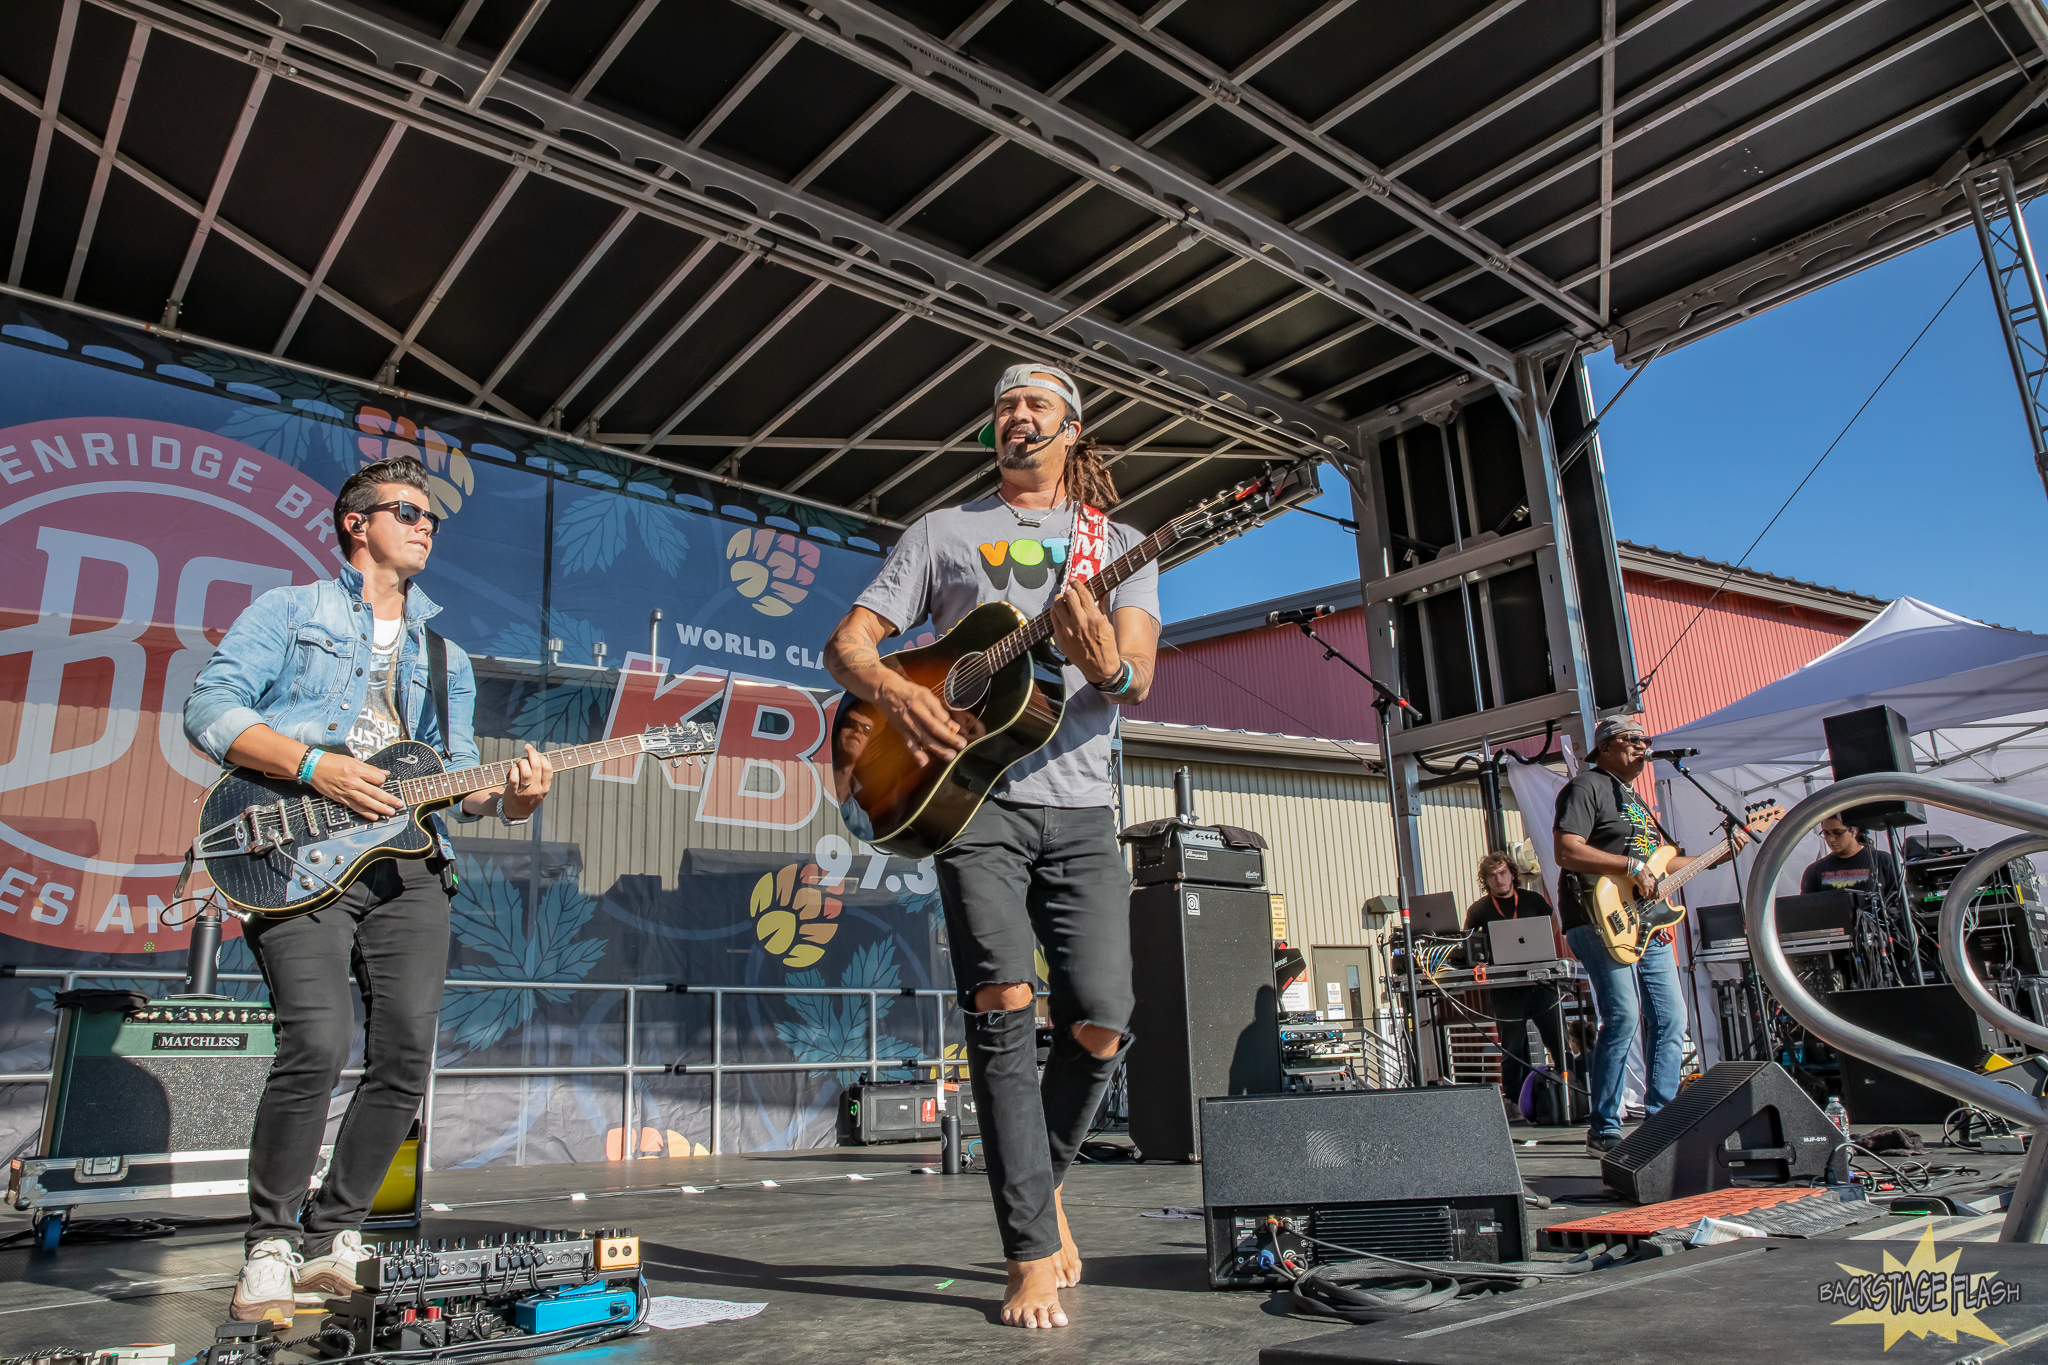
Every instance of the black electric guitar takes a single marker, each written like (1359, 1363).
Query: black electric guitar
(1004, 692)
(276, 848)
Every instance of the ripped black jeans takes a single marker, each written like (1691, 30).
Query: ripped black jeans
(1018, 878)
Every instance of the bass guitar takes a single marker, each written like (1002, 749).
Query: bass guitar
(277, 849)
(1004, 690)
(1626, 923)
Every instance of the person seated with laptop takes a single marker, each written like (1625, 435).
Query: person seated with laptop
(1513, 1008)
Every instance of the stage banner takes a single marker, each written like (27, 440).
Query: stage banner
(150, 490)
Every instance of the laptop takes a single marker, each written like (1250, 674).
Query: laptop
(1516, 942)
(1436, 912)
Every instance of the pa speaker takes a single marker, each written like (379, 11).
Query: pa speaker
(1743, 1123)
(1206, 1019)
(1422, 1174)
(170, 1076)
(1931, 1019)
(1873, 740)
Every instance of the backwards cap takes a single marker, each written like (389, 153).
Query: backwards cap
(1038, 377)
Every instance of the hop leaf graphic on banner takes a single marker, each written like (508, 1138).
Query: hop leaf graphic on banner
(489, 915)
(835, 1028)
(773, 568)
(388, 438)
(793, 918)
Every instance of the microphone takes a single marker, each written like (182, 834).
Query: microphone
(1299, 616)
(1672, 755)
(1036, 440)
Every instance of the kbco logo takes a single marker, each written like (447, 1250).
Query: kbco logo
(126, 550)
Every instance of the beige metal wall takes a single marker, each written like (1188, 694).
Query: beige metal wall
(1332, 839)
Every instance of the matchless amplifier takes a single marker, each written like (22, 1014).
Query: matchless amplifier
(1190, 853)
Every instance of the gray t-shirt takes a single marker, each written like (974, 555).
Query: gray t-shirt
(954, 560)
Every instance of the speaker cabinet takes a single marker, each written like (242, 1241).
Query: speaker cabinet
(1873, 740)
(174, 1076)
(1741, 1123)
(1207, 1016)
(1933, 1019)
(1422, 1174)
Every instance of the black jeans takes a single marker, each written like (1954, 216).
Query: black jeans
(1510, 1006)
(1022, 877)
(391, 927)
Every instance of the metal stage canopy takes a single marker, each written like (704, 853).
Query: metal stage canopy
(792, 244)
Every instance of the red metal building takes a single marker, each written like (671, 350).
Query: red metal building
(1230, 671)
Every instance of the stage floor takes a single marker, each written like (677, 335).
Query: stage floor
(899, 1266)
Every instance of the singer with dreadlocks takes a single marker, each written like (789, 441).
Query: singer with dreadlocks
(1039, 862)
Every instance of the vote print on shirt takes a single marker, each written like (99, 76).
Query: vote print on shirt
(1031, 563)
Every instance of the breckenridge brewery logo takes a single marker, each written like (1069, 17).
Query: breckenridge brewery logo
(1926, 1296)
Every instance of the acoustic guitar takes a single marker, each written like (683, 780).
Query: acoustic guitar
(277, 849)
(995, 672)
(1625, 924)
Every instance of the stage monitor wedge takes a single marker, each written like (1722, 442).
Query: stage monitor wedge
(1742, 1123)
(1422, 1174)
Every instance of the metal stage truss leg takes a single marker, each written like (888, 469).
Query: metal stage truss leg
(2016, 292)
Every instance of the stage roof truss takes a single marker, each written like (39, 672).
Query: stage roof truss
(1257, 233)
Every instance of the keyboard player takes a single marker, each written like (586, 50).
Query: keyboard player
(1514, 1007)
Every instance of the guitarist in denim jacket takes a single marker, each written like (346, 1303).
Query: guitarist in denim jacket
(307, 683)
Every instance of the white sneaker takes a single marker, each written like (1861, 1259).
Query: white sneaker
(334, 1274)
(265, 1288)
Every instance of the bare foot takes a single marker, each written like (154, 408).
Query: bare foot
(1032, 1298)
(1067, 1260)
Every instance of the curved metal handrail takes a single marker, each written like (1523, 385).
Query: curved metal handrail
(1760, 913)
(1955, 907)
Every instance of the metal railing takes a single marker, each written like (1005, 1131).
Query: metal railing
(2026, 1217)
(630, 1069)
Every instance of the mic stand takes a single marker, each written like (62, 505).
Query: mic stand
(1385, 699)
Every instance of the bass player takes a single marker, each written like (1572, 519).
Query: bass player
(1603, 829)
(306, 683)
(1039, 861)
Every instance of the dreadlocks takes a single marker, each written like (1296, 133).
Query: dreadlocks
(1087, 478)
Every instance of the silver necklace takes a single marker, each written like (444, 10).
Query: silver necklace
(1033, 522)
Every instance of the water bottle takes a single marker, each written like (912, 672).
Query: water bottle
(1838, 1116)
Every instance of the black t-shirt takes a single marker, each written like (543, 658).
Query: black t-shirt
(1606, 812)
(1848, 874)
(1523, 905)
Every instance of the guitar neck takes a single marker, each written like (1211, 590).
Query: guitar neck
(1668, 886)
(1099, 587)
(420, 791)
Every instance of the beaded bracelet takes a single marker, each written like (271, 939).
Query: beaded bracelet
(306, 766)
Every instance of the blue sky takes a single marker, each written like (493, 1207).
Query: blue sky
(1932, 494)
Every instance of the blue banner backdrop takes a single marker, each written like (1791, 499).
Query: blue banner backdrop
(148, 491)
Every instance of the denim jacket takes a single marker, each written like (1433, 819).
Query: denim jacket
(297, 661)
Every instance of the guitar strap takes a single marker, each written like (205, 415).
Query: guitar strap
(1089, 547)
(437, 685)
(437, 688)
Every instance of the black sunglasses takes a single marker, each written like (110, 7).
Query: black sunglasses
(408, 514)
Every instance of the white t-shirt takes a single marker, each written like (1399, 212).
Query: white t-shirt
(378, 724)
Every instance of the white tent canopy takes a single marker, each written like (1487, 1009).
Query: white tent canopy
(1936, 669)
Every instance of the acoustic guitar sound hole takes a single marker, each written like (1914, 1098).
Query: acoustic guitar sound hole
(967, 683)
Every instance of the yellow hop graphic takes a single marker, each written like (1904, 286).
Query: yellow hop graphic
(388, 438)
(773, 568)
(793, 917)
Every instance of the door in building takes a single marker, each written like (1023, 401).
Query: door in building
(1343, 981)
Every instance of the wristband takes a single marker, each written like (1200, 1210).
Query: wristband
(1118, 683)
(1637, 867)
(310, 761)
(499, 807)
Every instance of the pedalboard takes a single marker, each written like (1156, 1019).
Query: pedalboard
(534, 1259)
(427, 1294)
